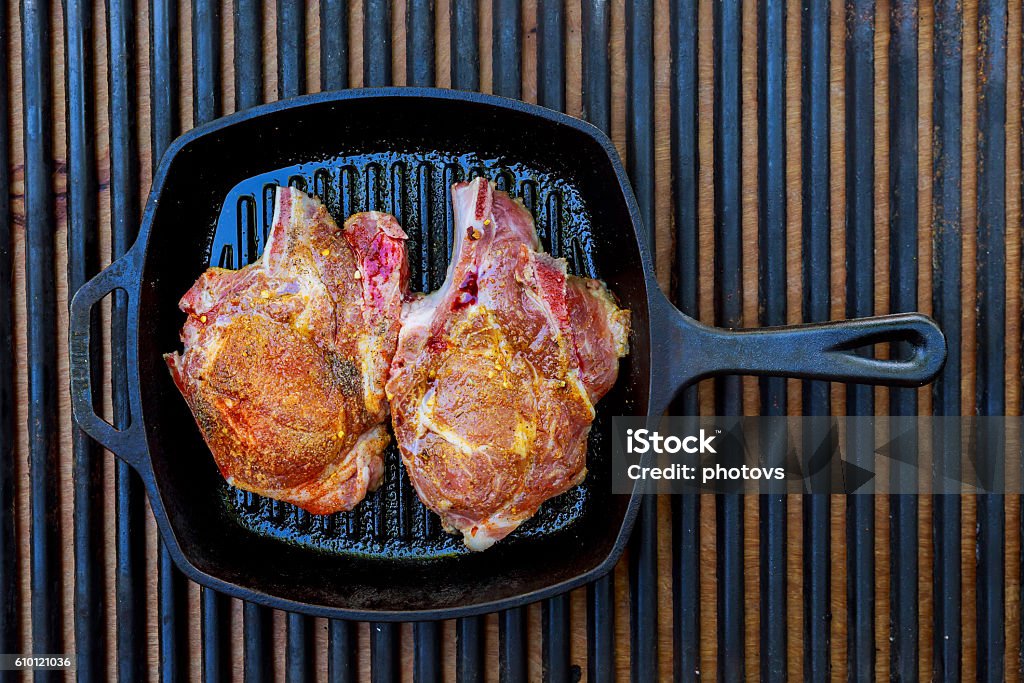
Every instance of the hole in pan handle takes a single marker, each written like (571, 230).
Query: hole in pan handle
(127, 443)
(823, 351)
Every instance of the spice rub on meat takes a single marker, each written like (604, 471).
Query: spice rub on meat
(496, 375)
(285, 360)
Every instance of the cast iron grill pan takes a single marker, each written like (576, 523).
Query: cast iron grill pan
(399, 150)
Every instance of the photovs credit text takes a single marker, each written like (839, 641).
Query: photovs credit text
(846, 455)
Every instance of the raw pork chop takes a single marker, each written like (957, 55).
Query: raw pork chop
(285, 360)
(496, 375)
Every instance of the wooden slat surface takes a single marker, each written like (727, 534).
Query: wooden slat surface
(664, 234)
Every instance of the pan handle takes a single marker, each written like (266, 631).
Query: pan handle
(128, 441)
(821, 351)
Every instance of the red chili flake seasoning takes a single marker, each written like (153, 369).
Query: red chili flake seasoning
(467, 291)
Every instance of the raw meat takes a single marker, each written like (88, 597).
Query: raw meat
(494, 382)
(285, 360)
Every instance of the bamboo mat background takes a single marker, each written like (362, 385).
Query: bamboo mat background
(665, 254)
